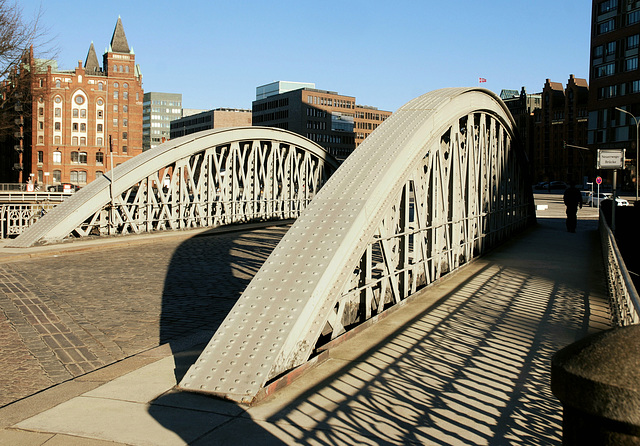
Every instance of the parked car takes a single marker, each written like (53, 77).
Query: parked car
(586, 196)
(596, 199)
(63, 188)
(558, 185)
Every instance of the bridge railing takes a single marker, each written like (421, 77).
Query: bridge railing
(15, 218)
(624, 300)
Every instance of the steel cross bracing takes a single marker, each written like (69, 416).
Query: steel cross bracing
(434, 186)
(206, 179)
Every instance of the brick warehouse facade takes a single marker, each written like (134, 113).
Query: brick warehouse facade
(78, 116)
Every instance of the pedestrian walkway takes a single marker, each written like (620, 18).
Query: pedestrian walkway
(467, 361)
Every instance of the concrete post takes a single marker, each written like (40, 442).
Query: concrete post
(597, 379)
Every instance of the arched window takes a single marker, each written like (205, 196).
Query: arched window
(57, 176)
(99, 158)
(57, 83)
(100, 87)
(57, 157)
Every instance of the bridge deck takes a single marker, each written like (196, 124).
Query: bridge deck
(465, 363)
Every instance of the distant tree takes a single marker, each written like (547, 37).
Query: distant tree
(17, 65)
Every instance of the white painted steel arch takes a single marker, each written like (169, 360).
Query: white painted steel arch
(436, 184)
(209, 178)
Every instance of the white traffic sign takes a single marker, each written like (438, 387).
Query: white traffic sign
(610, 159)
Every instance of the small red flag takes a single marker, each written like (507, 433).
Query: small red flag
(481, 80)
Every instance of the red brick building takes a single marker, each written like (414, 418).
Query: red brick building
(78, 116)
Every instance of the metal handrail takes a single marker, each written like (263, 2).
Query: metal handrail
(624, 299)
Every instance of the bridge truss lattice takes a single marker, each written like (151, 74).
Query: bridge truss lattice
(207, 179)
(441, 181)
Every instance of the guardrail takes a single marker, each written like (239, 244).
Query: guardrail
(624, 300)
(15, 218)
(32, 197)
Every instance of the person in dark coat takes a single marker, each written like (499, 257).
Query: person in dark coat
(572, 199)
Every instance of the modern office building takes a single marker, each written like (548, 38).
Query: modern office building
(614, 78)
(77, 117)
(332, 120)
(159, 109)
(211, 119)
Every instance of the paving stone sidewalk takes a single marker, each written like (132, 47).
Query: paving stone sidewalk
(63, 315)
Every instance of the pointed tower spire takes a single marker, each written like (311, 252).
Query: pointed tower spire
(119, 40)
(91, 65)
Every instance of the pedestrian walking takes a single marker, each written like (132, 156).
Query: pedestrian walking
(572, 199)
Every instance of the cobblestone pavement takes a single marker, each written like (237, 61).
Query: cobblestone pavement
(65, 315)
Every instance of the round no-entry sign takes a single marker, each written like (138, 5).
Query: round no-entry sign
(599, 180)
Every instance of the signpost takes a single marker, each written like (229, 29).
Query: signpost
(612, 159)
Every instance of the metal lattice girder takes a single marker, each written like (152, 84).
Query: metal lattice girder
(209, 178)
(435, 185)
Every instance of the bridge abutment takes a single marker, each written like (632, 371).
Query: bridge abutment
(597, 379)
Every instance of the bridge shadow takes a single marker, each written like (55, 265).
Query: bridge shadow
(472, 368)
(206, 276)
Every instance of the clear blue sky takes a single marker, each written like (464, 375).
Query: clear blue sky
(385, 53)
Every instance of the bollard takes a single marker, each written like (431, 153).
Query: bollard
(597, 380)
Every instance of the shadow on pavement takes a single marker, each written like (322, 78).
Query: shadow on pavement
(472, 369)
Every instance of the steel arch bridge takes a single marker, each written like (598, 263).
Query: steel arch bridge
(437, 184)
(210, 178)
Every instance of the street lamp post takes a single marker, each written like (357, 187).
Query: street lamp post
(637, 146)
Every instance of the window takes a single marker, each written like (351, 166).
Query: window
(40, 111)
(99, 127)
(125, 85)
(99, 141)
(125, 95)
(125, 122)
(40, 176)
(57, 175)
(74, 157)
(99, 158)
(634, 86)
(124, 135)
(74, 140)
(610, 48)
(79, 100)
(125, 108)
(115, 95)
(124, 149)
(74, 127)
(605, 70)
(633, 41)
(607, 6)
(83, 127)
(99, 114)
(631, 64)
(82, 157)
(40, 157)
(57, 140)
(56, 126)
(115, 85)
(115, 107)
(75, 112)
(73, 176)
(100, 87)
(115, 122)
(606, 26)
(83, 141)
(633, 17)
(99, 173)
(40, 125)
(57, 83)
(57, 112)
(83, 113)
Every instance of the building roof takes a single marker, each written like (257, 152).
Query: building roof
(119, 39)
(91, 64)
